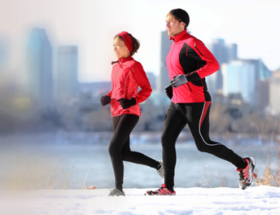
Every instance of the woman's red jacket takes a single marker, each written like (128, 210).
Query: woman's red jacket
(127, 75)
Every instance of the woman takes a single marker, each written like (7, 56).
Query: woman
(127, 75)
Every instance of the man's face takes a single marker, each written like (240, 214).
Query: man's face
(174, 26)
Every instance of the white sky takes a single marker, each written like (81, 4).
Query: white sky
(92, 24)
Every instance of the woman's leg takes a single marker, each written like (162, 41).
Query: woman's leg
(123, 125)
(136, 157)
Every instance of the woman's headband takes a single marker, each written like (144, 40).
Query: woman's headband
(127, 40)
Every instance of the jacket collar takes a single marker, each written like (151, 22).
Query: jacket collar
(179, 36)
(124, 59)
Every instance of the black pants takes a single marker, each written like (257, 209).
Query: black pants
(119, 148)
(196, 115)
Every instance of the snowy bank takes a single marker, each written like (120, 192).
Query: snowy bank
(255, 200)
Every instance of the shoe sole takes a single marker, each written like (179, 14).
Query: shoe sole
(146, 194)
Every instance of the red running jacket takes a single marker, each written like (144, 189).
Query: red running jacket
(189, 56)
(126, 76)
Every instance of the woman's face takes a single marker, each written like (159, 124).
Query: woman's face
(120, 48)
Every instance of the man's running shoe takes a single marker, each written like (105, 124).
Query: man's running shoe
(116, 192)
(163, 191)
(246, 174)
(160, 171)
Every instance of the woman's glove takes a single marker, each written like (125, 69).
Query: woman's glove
(126, 103)
(169, 91)
(104, 100)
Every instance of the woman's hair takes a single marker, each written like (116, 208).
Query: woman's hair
(135, 45)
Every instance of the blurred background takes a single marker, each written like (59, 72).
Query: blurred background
(55, 60)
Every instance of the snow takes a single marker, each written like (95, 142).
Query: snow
(254, 200)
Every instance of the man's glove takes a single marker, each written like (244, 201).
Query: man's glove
(104, 100)
(169, 91)
(126, 103)
(178, 80)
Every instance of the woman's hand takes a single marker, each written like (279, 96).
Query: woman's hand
(104, 100)
(126, 103)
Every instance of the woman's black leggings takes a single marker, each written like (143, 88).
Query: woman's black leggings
(119, 148)
(196, 115)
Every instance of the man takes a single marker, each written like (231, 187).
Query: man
(188, 63)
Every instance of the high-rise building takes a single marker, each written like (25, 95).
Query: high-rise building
(163, 78)
(250, 79)
(238, 77)
(152, 78)
(40, 72)
(223, 53)
(262, 77)
(2, 55)
(67, 85)
(274, 89)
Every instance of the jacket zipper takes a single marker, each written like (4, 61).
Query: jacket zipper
(125, 84)
(171, 61)
(125, 90)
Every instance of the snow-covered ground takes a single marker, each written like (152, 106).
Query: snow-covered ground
(255, 201)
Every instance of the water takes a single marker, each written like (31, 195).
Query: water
(45, 162)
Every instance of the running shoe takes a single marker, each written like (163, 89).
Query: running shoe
(116, 192)
(163, 191)
(246, 174)
(160, 171)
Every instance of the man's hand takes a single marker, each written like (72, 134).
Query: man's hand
(179, 80)
(169, 91)
(126, 103)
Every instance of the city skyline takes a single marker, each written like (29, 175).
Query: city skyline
(87, 25)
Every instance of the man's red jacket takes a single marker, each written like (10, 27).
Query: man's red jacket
(127, 75)
(189, 56)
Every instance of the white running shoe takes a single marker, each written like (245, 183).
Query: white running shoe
(116, 192)
(161, 170)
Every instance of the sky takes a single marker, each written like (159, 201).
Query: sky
(260, 200)
(92, 24)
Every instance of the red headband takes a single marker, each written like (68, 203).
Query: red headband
(127, 40)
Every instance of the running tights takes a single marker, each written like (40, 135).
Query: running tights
(196, 115)
(119, 148)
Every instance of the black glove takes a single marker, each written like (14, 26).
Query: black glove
(105, 100)
(179, 80)
(126, 103)
(169, 91)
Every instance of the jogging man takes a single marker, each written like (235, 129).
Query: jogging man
(188, 63)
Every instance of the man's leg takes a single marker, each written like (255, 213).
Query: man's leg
(173, 125)
(197, 115)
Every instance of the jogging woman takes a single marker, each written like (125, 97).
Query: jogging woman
(127, 75)
(188, 63)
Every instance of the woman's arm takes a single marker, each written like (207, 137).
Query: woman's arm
(143, 81)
